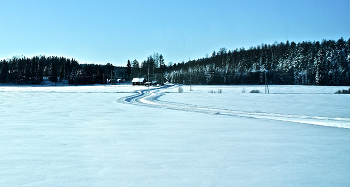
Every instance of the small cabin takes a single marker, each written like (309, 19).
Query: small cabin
(138, 81)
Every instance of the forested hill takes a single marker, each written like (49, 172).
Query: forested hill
(305, 63)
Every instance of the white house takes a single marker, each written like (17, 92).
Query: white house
(138, 81)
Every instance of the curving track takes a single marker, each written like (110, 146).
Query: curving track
(150, 97)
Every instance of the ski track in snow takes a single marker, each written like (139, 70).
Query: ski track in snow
(150, 97)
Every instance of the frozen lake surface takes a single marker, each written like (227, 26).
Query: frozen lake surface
(128, 136)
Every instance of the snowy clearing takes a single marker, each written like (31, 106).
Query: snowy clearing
(129, 136)
(302, 104)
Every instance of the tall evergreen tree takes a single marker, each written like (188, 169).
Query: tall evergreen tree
(4, 72)
(54, 69)
(128, 70)
(135, 70)
(161, 69)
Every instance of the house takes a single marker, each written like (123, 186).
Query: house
(138, 81)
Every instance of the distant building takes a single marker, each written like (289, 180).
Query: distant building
(138, 81)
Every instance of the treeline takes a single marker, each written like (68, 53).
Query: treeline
(152, 69)
(290, 63)
(22, 70)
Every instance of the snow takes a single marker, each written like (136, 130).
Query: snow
(125, 135)
(138, 79)
(309, 104)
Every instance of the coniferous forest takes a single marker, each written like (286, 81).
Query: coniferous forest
(22, 70)
(289, 63)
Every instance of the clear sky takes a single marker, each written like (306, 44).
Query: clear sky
(101, 31)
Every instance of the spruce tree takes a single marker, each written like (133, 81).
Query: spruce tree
(4, 72)
(135, 70)
(128, 70)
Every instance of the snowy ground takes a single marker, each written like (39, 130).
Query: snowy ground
(129, 136)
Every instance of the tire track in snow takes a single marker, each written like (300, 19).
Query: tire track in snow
(150, 97)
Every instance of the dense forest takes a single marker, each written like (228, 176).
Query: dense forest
(35, 70)
(290, 63)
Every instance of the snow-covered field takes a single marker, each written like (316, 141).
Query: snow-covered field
(128, 136)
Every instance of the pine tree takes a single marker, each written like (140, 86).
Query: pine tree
(54, 69)
(4, 72)
(128, 70)
(162, 69)
(135, 70)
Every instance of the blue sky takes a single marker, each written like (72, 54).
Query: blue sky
(101, 31)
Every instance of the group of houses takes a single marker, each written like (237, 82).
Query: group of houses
(142, 81)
